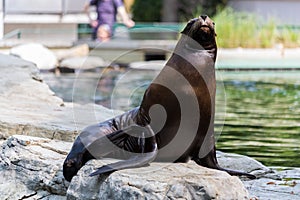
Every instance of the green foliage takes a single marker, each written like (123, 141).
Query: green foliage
(239, 29)
(147, 10)
(267, 34)
(188, 9)
(289, 37)
(151, 10)
(235, 29)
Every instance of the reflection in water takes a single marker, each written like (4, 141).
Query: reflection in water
(262, 108)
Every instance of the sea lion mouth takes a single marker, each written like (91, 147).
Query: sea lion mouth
(205, 29)
(201, 29)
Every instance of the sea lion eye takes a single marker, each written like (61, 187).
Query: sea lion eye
(213, 23)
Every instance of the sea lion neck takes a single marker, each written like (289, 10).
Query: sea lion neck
(211, 48)
(187, 45)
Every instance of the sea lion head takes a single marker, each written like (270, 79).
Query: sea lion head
(202, 30)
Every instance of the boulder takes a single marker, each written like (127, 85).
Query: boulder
(83, 62)
(36, 53)
(158, 181)
(29, 107)
(34, 165)
(76, 51)
(240, 162)
(271, 183)
(282, 183)
(148, 65)
(30, 167)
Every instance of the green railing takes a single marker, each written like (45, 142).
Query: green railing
(139, 27)
(139, 31)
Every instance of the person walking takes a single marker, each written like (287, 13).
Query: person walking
(107, 11)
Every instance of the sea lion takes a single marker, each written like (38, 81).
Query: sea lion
(175, 121)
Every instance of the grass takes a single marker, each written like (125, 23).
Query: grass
(240, 29)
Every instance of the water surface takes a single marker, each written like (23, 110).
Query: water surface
(262, 111)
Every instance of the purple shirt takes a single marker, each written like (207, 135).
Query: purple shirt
(106, 11)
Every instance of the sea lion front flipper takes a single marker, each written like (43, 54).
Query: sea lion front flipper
(143, 157)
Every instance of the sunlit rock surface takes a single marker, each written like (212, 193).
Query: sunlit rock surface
(29, 107)
(83, 62)
(32, 167)
(158, 181)
(37, 54)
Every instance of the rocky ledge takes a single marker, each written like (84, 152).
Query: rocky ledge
(31, 167)
(29, 107)
(35, 127)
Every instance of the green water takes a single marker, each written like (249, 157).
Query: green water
(260, 110)
(263, 116)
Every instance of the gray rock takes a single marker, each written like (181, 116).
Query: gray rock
(36, 53)
(83, 62)
(76, 51)
(35, 166)
(159, 181)
(281, 184)
(148, 65)
(32, 167)
(242, 163)
(29, 107)
(271, 183)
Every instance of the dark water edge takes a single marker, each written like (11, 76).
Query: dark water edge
(258, 112)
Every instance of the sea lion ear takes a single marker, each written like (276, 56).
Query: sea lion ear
(186, 29)
(188, 26)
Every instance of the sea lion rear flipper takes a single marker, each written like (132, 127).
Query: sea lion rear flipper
(210, 161)
(139, 159)
(133, 162)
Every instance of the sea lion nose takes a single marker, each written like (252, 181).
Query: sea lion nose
(203, 17)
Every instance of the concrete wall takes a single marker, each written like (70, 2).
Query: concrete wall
(37, 19)
(283, 11)
(33, 6)
(74, 6)
(37, 31)
(43, 6)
